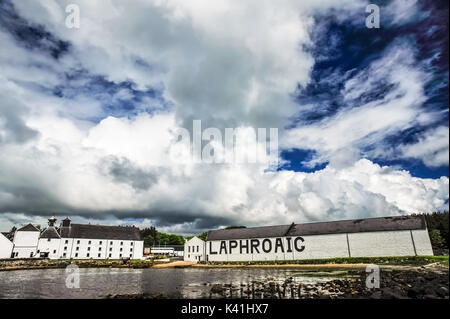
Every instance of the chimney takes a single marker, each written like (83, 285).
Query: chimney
(66, 222)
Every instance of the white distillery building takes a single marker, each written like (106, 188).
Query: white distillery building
(194, 250)
(373, 237)
(26, 241)
(78, 241)
(6, 246)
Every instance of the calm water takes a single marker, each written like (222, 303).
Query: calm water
(99, 282)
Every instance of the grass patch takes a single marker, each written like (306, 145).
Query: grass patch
(401, 260)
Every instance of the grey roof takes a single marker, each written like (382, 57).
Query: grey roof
(8, 235)
(50, 232)
(29, 227)
(322, 228)
(101, 232)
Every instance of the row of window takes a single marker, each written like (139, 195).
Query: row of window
(193, 248)
(99, 249)
(98, 255)
(90, 242)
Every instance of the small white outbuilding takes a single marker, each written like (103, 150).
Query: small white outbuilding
(6, 247)
(194, 250)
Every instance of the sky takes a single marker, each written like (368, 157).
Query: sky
(89, 115)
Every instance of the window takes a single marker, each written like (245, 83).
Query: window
(65, 248)
(197, 248)
(132, 243)
(78, 241)
(76, 255)
(131, 255)
(89, 248)
(89, 242)
(131, 249)
(110, 249)
(121, 243)
(54, 251)
(64, 255)
(99, 248)
(109, 255)
(99, 255)
(38, 251)
(87, 255)
(120, 249)
(189, 248)
(78, 248)
(110, 242)
(100, 242)
(120, 255)
(48, 239)
(67, 241)
(31, 254)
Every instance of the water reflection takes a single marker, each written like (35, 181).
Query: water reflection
(100, 282)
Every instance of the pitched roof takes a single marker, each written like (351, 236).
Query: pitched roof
(101, 232)
(29, 227)
(322, 228)
(50, 232)
(6, 235)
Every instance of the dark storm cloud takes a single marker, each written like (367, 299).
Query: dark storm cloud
(31, 36)
(122, 171)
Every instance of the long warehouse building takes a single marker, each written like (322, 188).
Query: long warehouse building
(372, 237)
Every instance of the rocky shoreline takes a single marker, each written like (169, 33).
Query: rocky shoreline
(418, 283)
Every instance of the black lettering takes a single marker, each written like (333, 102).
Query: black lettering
(243, 246)
(210, 249)
(289, 248)
(267, 241)
(296, 244)
(254, 243)
(279, 244)
(233, 244)
(223, 246)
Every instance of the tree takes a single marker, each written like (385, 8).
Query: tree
(436, 239)
(203, 235)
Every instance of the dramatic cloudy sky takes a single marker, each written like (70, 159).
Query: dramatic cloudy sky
(88, 115)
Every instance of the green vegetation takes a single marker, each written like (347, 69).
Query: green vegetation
(408, 260)
(152, 237)
(438, 221)
(436, 239)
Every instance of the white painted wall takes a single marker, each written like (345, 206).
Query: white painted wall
(386, 243)
(50, 246)
(194, 250)
(6, 247)
(25, 244)
(422, 242)
(81, 248)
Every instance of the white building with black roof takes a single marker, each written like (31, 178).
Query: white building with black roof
(372, 237)
(78, 241)
(26, 241)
